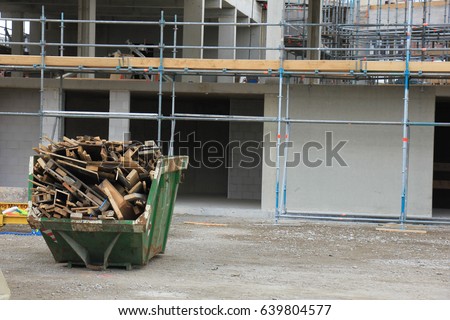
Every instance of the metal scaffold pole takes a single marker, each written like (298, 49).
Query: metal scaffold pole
(172, 122)
(361, 34)
(406, 131)
(161, 74)
(286, 149)
(58, 120)
(41, 91)
(277, 162)
(279, 116)
(61, 48)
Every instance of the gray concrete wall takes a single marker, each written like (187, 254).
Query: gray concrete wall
(18, 135)
(119, 101)
(244, 180)
(371, 183)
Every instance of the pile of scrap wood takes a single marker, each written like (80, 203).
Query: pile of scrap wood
(91, 178)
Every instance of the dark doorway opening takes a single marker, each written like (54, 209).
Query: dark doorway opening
(200, 140)
(87, 101)
(441, 168)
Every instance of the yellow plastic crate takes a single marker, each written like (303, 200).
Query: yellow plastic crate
(7, 205)
(12, 218)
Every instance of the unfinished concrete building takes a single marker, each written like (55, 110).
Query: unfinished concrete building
(217, 78)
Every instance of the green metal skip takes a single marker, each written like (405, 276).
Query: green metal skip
(98, 244)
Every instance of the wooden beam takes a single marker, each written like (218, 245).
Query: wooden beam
(207, 224)
(402, 5)
(395, 227)
(231, 65)
(401, 230)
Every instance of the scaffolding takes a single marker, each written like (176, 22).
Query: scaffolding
(374, 31)
(345, 48)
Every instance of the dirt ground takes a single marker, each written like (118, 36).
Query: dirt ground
(248, 259)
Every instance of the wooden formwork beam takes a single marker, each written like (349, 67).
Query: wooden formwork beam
(344, 66)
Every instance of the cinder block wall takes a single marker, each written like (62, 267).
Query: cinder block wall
(371, 183)
(245, 183)
(18, 135)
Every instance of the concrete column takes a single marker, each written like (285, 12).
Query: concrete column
(119, 101)
(35, 36)
(243, 40)
(17, 36)
(193, 35)
(52, 127)
(245, 173)
(248, 37)
(86, 31)
(314, 32)
(227, 38)
(274, 35)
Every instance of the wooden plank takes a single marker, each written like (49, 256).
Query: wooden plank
(120, 177)
(70, 152)
(41, 198)
(401, 230)
(92, 196)
(76, 215)
(138, 187)
(208, 224)
(70, 166)
(123, 209)
(73, 182)
(42, 163)
(68, 159)
(135, 196)
(83, 154)
(108, 215)
(61, 212)
(83, 209)
(133, 177)
(235, 65)
(104, 166)
(104, 154)
(71, 142)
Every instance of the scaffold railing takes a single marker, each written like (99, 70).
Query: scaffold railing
(352, 62)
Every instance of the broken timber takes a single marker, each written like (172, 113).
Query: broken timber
(91, 178)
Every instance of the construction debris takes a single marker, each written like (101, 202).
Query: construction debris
(91, 178)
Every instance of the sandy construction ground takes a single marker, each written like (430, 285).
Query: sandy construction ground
(248, 259)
